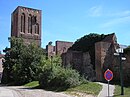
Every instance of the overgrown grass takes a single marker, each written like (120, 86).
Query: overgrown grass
(32, 84)
(117, 92)
(88, 88)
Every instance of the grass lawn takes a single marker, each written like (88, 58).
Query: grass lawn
(89, 88)
(118, 91)
(32, 84)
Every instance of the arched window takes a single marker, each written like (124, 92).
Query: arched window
(23, 23)
(29, 23)
(36, 28)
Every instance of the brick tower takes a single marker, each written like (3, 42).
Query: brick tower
(26, 23)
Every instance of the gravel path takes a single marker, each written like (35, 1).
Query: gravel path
(104, 91)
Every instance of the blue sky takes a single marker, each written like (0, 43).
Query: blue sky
(69, 20)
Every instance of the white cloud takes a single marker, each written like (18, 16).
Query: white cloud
(116, 21)
(120, 14)
(95, 11)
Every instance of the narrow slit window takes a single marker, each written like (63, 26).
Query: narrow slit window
(30, 24)
(23, 23)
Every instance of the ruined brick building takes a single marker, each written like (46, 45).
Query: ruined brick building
(60, 48)
(26, 23)
(104, 59)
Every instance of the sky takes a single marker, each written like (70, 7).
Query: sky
(69, 20)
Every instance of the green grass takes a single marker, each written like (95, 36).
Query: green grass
(118, 91)
(32, 84)
(88, 88)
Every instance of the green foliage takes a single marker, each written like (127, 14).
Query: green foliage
(87, 42)
(54, 75)
(32, 84)
(127, 50)
(117, 92)
(22, 62)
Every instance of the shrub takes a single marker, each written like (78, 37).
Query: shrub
(59, 77)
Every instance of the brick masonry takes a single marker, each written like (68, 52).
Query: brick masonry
(60, 48)
(26, 23)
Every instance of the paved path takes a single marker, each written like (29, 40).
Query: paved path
(20, 91)
(104, 91)
(4, 92)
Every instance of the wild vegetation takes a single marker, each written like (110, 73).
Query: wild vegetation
(56, 76)
(25, 63)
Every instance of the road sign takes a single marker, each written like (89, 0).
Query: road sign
(108, 75)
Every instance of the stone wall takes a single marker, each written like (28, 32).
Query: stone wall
(81, 62)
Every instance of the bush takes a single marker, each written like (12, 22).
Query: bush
(59, 77)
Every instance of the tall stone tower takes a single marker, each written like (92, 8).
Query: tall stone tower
(26, 23)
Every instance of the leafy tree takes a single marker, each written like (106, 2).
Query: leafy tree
(127, 50)
(21, 62)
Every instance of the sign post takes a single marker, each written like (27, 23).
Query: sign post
(108, 75)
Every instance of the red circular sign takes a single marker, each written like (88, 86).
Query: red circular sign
(108, 75)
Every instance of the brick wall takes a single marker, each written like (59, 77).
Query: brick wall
(62, 46)
(81, 62)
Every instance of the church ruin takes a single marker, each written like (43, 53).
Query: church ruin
(26, 24)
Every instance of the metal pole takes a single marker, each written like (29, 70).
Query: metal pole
(121, 74)
(108, 88)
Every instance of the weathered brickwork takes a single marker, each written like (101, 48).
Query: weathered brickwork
(60, 48)
(104, 55)
(81, 62)
(26, 23)
(50, 50)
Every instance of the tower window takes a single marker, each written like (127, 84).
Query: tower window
(23, 23)
(36, 28)
(30, 24)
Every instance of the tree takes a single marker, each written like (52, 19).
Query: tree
(21, 62)
(127, 50)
